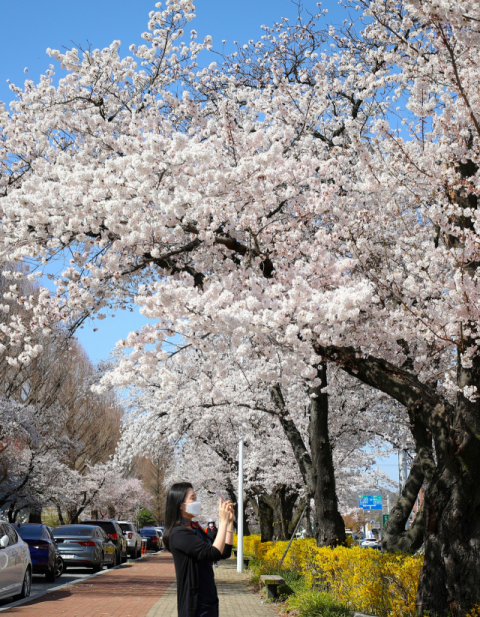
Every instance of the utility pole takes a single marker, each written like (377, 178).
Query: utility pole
(240, 508)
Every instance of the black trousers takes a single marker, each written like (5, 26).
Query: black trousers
(207, 611)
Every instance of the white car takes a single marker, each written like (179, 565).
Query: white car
(371, 543)
(134, 540)
(15, 564)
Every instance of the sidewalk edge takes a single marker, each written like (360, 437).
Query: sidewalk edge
(80, 580)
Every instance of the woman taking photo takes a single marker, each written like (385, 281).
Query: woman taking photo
(193, 552)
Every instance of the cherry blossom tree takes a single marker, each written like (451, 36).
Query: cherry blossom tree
(317, 200)
(213, 399)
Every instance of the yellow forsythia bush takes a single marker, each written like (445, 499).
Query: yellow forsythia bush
(366, 580)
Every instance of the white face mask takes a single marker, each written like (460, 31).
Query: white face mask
(194, 508)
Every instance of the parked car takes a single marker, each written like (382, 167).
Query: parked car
(160, 533)
(15, 564)
(371, 543)
(134, 540)
(85, 546)
(44, 553)
(153, 538)
(115, 533)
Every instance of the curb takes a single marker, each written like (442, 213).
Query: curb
(80, 580)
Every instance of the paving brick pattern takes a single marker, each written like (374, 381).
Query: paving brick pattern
(129, 591)
(144, 589)
(236, 599)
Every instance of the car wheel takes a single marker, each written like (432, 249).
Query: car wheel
(59, 568)
(50, 576)
(137, 552)
(27, 586)
(99, 567)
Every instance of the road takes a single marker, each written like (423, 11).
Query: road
(39, 585)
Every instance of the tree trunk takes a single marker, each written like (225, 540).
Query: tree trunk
(60, 515)
(298, 511)
(283, 508)
(395, 536)
(317, 470)
(35, 516)
(328, 523)
(278, 514)
(264, 514)
(72, 516)
(449, 580)
(449, 583)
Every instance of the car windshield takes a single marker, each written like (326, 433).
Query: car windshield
(28, 532)
(107, 526)
(148, 532)
(73, 530)
(125, 526)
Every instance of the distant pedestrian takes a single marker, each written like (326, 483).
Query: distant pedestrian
(194, 552)
(211, 530)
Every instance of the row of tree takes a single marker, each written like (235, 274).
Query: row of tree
(305, 206)
(58, 438)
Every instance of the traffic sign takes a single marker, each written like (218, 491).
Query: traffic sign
(385, 519)
(370, 502)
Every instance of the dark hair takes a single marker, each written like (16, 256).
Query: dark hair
(173, 515)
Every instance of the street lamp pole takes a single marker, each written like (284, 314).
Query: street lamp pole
(240, 508)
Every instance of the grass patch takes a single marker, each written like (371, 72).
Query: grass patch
(304, 601)
(310, 603)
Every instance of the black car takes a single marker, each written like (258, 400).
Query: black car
(44, 553)
(115, 533)
(153, 538)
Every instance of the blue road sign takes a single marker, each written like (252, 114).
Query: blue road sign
(370, 502)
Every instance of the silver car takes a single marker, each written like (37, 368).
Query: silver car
(85, 546)
(134, 540)
(15, 564)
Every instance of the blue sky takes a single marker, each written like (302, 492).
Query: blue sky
(30, 26)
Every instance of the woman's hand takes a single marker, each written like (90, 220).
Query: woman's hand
(231, 515)
(225, 511)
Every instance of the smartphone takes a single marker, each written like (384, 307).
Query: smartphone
(219, 495)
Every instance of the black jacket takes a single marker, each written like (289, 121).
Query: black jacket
(191, 552)
(212, 533)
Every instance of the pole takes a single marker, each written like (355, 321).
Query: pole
(293, 536)
(240, 508)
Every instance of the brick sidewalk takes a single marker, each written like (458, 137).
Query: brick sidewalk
(129, 591)
(236, 600)
(143, 589)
